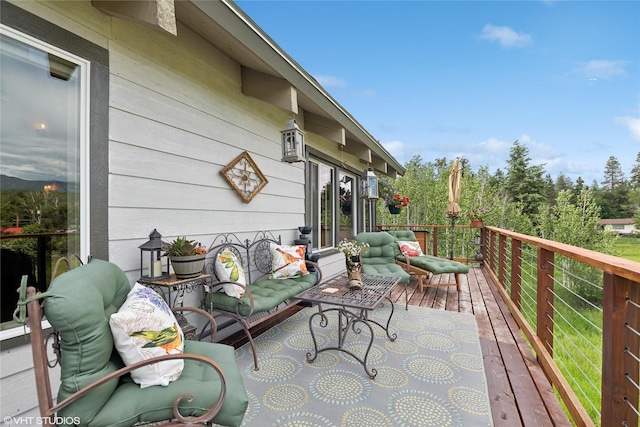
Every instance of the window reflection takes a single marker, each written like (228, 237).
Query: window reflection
(347, 206)
(40, 113)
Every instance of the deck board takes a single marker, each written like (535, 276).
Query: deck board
(519, 392)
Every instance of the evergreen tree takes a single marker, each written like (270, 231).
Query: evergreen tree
(498, 180)
(550, 189)
(563, 182)
(634, 179)
(613, 175)
(525, 183)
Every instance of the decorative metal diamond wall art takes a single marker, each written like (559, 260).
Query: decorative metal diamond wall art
(243, 175)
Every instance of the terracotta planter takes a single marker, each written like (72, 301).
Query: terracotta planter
(476, 223)
(188, 267)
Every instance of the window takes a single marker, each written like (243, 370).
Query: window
(322, 204)
(44, 152)
(334, 204)
(347, 212)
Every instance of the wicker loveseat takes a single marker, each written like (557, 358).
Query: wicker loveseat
(96, 389)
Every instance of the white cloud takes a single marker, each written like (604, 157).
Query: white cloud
(365, 93)
(601, 69)
(330, 81)
(538, 149)
(506, 36)
(397, 149)
(495, 146)
(633, 124)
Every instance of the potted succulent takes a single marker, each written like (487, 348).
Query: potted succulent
(187, 257)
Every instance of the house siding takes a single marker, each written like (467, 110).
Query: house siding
(176, 116)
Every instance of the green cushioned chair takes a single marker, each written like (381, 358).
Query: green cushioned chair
(380, 257)
(426, 265)
(95, 388)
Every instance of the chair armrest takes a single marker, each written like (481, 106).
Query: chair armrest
(181, 420)
(210, 319)
(317, 267)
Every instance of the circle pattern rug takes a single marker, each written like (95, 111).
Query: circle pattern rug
(431, 375)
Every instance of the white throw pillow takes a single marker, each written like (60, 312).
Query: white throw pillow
(288, 261)
(229, 269)
(143, 328)
(410, 248)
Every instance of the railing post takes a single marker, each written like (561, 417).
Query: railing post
(516, 271)
(502, 256)
(435, 241)
(619, 394)
(544, 312)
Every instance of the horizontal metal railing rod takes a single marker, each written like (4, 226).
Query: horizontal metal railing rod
(620, 317)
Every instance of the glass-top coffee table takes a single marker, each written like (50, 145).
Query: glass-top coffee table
(352, 308)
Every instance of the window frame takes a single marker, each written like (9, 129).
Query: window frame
(94, 135)
(316, 158)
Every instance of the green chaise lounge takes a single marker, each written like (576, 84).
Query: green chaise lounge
(380, 257)
(426, 265)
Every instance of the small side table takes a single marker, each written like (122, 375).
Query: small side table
(181, 287)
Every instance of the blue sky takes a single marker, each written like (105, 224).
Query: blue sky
(468, 78)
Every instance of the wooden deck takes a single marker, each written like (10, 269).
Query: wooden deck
(519, 392)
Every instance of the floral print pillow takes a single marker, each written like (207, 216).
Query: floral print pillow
(229, 269)
(288, 261)
(410, 248)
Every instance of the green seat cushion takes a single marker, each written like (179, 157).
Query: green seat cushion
(426, 262)
(379, 258)
(78, 305)
(267, 294)
(131, 404)
(436, 265)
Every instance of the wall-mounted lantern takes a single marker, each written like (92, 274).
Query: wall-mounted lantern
(369, 184)
(292, 143)
(151, 265)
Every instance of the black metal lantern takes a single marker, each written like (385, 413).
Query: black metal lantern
(151, 262)
(292, 143)
(369, 184)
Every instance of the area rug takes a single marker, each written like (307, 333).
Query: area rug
(431, 375)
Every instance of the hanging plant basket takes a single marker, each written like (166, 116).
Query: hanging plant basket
(394, 210)
(476, 223)
(188, 267)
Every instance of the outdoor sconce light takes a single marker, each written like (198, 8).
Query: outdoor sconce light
(292, 143)
(151, 266)
(369, 184)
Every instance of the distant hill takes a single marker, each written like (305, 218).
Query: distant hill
(13, 183)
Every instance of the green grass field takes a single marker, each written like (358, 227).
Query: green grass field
(628, 248)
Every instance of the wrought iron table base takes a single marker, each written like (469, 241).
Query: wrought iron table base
(348, 319)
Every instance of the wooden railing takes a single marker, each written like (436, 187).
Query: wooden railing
(534, 276)
(460, 243)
